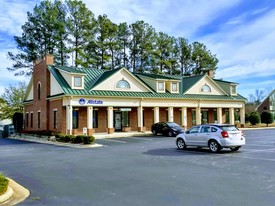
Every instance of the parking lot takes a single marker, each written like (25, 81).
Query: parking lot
(143, 171)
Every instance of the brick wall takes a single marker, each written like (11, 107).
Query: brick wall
(264, 106)
(102, 120)
(41, 79)
(163, 114)
(134, 119)
(177, 114)
(56, 105)
(148, 118)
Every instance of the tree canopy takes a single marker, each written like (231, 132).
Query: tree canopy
(11, 100)
(68, 30)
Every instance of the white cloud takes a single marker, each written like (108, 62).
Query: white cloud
(13, 14)
(177, 18)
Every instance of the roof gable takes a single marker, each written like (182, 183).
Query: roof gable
(197, 84)
(109, 80)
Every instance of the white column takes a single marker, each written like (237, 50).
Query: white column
(184, 117)
(140, 119)
(242, 116)
(69, 122)
(198, 115)
(170, 114)
(156, 114)
(110, 117)
(90, 117)
(231, 116)
(219, 115)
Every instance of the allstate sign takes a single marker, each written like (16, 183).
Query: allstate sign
(82, 101)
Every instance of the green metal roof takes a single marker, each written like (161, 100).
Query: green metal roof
(70, 70)
(188, 82)
(157, 76)
(105, 76)
(94, 77)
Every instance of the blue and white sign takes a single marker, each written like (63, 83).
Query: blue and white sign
(82, 101)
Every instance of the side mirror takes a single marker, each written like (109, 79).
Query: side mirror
(187, 132)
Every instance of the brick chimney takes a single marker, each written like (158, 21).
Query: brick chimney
(49, 59)
(211, 73)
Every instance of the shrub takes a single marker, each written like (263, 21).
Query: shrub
(64, 138)
(78, 139)
(267, 118)
(88, 139)
(254, 118)
(4, 182)
(75, 139)
(247, 117)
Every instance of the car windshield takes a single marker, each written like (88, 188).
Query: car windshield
(229, 128)
(172, 124)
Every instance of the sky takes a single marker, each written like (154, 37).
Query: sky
(240, 32)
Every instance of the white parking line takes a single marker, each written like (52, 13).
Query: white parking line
(145, 139)
(112, 140)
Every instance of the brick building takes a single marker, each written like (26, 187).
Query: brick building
(79, 100)
(268, 104)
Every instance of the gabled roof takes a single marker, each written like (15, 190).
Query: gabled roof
(70, 70)
(188, 82)
(273, 91)
(156, 76)
(94, 77)
(105, 76)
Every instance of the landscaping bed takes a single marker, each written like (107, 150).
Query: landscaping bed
(4, 182)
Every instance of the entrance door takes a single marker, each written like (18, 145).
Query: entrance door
(118, 121)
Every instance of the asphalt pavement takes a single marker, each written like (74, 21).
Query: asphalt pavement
(143, 170)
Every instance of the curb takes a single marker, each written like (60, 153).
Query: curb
(14, 195)
(7, 195)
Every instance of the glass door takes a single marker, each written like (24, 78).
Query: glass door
(118, 121)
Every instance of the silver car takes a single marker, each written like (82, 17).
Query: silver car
(214, 136)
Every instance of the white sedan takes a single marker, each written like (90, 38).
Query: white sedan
(214, 136)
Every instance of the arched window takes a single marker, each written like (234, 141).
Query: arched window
(205, 88)
(122, 84)
(39, 90)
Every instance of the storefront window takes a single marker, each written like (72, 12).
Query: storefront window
(75, 119)
(215, 116)
(95, 118)
(193, 117)
(125, 119)
(226, 116)
(204, 117)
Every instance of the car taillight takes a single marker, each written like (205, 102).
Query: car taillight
(224, 134)
(242, 133)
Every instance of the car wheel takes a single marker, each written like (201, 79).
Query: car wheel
(154, 132)
(235, 148)
(214, 146)
(170, 134)
(181, 144)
